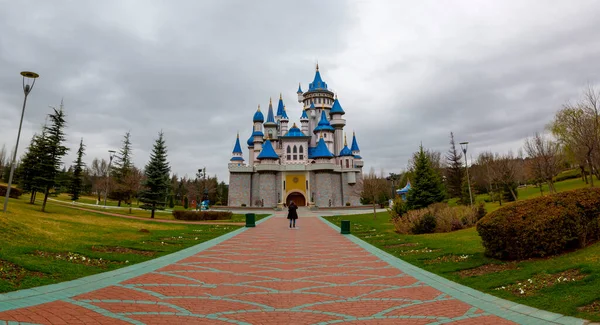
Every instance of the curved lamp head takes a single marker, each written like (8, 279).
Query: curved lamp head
(30, 76)
(464, 146)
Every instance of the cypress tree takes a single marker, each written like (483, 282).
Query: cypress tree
(427, 187)
(185, 203)
(455, 171)
(29, 168)
(77, 180)
(156, 185)
(52, 152)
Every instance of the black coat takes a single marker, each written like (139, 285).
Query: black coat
(292, 212)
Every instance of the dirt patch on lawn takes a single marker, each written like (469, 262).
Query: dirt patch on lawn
(122, 250)
(402, 245)
(14, 274)
(540, 281)
(487, 269)
(593, 308)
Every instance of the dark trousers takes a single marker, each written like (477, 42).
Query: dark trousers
(292, 223)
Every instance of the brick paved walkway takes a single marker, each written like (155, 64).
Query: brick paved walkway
(266, 275)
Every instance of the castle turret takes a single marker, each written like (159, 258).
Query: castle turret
(283, 123)
(304, 122)
(322, 153)
(250, 143)
(338, 123)
(257, 134)
(325, 130)
(268, 154)
(237, 154)
(358, 162)
(299, 92)
(346, 156)
(270, 124)
(279, 107)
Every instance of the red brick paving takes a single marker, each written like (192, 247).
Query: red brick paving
(266, 275)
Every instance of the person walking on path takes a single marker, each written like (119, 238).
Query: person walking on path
(292, 214)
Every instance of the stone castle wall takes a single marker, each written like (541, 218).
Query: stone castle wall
(239, 189)
(268, 189)
(352, 192)
(255, 189)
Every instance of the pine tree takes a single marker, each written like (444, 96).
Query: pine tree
(52, 152)
(122, 167)
(427, 187)
(171, 201)
(186, 203)
(455, 171)
(156, 185)
(77, 180)
(29, 167)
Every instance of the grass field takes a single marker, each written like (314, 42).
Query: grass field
(459, 257)
(42, 248)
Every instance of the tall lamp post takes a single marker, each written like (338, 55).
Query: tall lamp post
(463, 146)
(27, 87)
(111, 156)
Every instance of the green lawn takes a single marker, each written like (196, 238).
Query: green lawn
(446, 254)
(64, 244)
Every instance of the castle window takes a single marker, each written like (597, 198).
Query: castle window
(284, 185)
(295, 157)
(295, 149)
(289, 149)
(301, 150)
(289, 157)
(301, 156)
(347, 163)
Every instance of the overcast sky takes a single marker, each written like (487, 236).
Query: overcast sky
(406, 72)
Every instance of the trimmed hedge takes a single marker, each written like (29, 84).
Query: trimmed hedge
(202, 215)
(15, 193)
(542, 226)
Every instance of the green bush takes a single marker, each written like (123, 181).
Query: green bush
(185, 203)
(568, 174)
(426, 225)
(15, 193)
(542, 226)
(202, 215)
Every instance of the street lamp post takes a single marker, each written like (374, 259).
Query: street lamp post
(30, 77)
(464, 146)
(111, 156)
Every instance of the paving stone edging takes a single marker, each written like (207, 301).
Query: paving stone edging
(515, 312)
(63, 290)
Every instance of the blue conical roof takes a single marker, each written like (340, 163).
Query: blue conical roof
(258, 116)
(237, 148)
(284, 115)
(280, 106)
(346, 152)
(312, 106)
(324, 124)
(354, 143)
(270, 116)
(294, 132)
(304, 116)
(299, 89)
(317, 83)
(336, 108)
(267, 152)
(321, 151)
(250, 141)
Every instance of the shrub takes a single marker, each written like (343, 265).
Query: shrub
(447, 218)
(480, 211)
(171, 202)
(542, 226)
(202, 215)
(15, 193)
(185, 203)
(426, 224)
(568, 174)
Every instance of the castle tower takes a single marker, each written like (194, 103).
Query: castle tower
(283, 123)
(258, 135)
(338, 122)
(270, 124)
(325, 131)
(237, 154)
(304, 122)
(280, 107)
(299, 93)
(250, 143)
(346, 156)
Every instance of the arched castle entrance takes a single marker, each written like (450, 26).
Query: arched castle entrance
(297, 197)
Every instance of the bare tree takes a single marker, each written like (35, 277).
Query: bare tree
(374, 187)
(545, 158)
(504, 171)
(99, 173)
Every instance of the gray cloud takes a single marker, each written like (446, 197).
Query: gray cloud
(405, 73)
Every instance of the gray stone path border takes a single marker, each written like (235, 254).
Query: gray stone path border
(506, 309)
(63, 290)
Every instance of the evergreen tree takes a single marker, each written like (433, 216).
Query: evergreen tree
(29, 167)
(186, 203)
(157, 184)
(52, 152)
(427, 187)
(171, 201)
(455, 171)
(77, 180)
(122, 167)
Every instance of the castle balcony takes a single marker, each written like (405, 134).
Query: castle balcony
(337, 122)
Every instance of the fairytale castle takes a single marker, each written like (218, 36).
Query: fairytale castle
(311, 165)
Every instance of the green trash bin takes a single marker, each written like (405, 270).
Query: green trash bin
(345, 227)
(250, 220)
